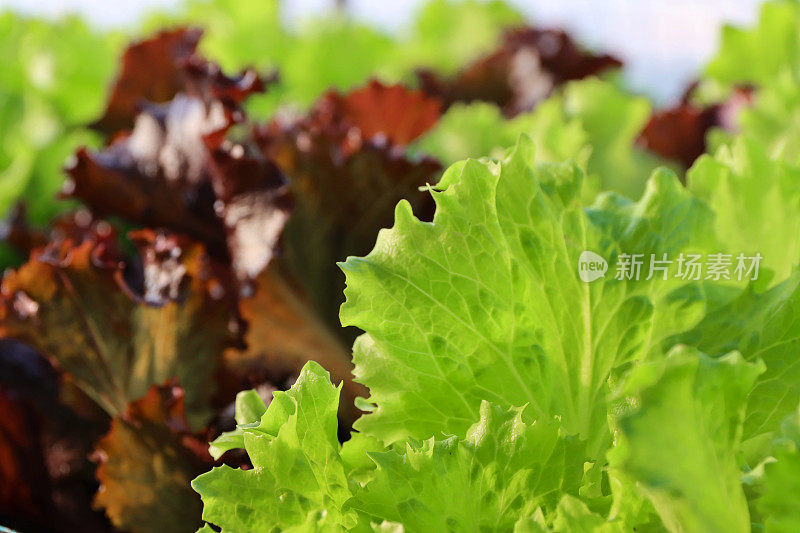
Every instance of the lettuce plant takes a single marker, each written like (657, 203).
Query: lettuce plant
(508, 394)
(496, 384)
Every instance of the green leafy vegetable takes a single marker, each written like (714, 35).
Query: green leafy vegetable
(479, 129)
(485, 302)
(781, 481)
(574, 515)
(756, 55)
(762, 326)
(680, 439)
(53, 82)
(590, 121)
(771, 119)
(755, 198)
(502, 471)
(480, 311)
(446, 34)
(766, 60)
(297, 467)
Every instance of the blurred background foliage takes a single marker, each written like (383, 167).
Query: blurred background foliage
(57, 71)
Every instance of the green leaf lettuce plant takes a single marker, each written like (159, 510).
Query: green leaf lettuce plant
(506, 394)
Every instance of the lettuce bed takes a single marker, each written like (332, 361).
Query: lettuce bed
(324, 278)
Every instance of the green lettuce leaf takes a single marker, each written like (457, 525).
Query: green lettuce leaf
(53, 82)
(613, 120)
(485, 302)
(297, 467)
(336, 53)
(502, 471)
(590, 121)
(767, 58)
(756, 201)
(756, 55)
(762, 325)
(446, 35)
(237, 33)
(772, 119)
(679, 437)
(573, 516)
(781, 480)
(249, 408)
(65, 64)
(479, 129)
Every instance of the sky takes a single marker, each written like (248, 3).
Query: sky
(663, 42)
